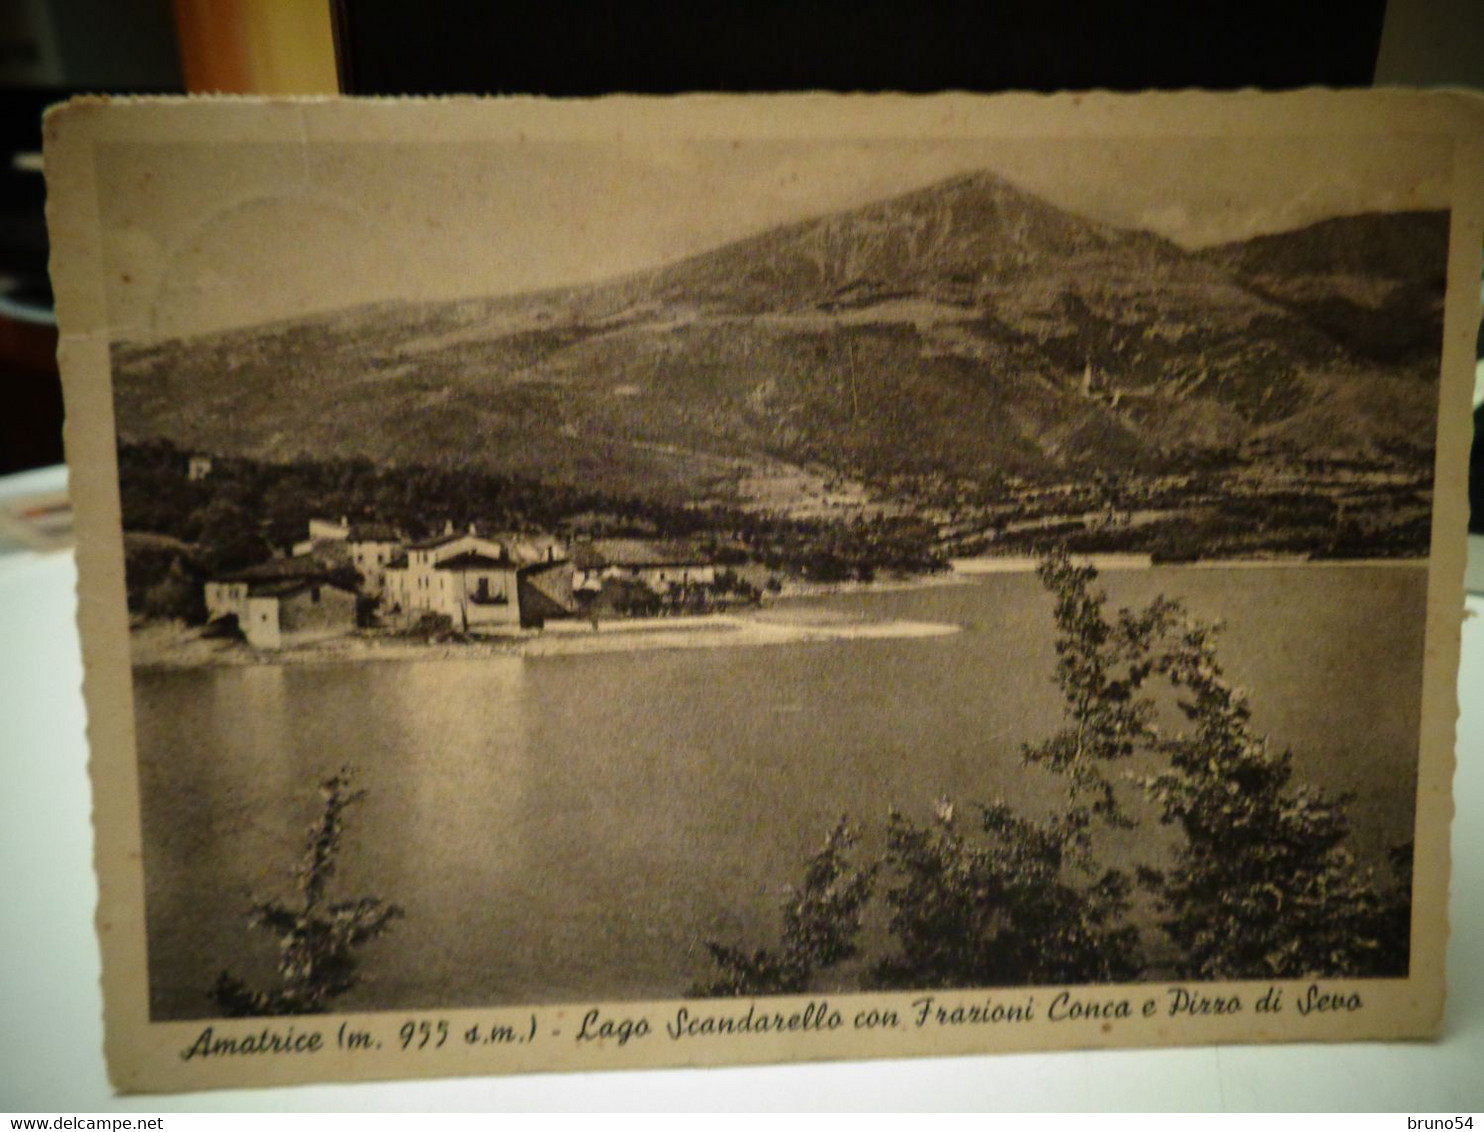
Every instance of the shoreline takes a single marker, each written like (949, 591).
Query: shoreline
(969, 570)
(727, 630)
(160, 648)
(978, 567)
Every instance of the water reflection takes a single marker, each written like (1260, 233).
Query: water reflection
(569, 828)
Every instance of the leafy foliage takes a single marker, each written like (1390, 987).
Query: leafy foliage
(176, 596)
(821, 927)
(317, 939)
(1102, 667)
(1262, 885)
(999, 911)
(228, 537)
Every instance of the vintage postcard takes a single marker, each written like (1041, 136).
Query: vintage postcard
(674, 582)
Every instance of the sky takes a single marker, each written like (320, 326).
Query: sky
(202, 237)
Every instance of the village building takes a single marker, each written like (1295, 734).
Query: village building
(328, 538)
(531, 549)
(544, 592)
(227, 595)
(475, 580)
(478, 582)
(373, 547)
(282, 602)
(409, 584)
(660, 565)
(475, 590)
(198, 468)
(298, 613)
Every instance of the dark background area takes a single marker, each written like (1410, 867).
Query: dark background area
(589, 47)
(49, 51)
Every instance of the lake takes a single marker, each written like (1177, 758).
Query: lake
(575, 828)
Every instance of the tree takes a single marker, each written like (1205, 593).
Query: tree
(228, 538)
(177, 596)
(999, 910)
(317, 940)
(1262, 885)
(286, 510)
(1102, 667)
(821, 927)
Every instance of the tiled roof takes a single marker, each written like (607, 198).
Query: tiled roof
(436, 541)
(543, 566)
(528, 548)
(636, 553)
(374, 532)
(290, 587)
(470, 560)
(303, 567)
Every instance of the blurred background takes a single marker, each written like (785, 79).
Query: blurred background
(51, 49)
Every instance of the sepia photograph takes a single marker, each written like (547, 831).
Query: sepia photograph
(640, 564)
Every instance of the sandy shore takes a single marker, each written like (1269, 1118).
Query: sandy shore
(879, 586)
(723, 630)
(172, 646)
(175, 646)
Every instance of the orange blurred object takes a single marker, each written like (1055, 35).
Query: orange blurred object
(256, 46)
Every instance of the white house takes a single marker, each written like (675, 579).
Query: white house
(475, 589)
(323, 534)
(412, 583)
(530, 550)
(475, 580)
(373, 547)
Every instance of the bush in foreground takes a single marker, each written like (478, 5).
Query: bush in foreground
(318, 940)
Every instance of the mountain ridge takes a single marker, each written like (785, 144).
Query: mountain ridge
(966, 329)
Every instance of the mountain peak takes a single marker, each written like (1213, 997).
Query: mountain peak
(984, 184)
(953, 237)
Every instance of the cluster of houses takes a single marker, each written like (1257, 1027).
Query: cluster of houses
(482, 582)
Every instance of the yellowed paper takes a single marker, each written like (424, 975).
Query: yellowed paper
(683, 582)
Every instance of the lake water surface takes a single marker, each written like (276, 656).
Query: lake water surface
(575, 828)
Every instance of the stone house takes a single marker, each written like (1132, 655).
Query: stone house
(660, 565)
(282, 602)
(228, 595)
(544, 592)
(290, 613)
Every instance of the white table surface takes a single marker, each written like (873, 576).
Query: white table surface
(51, 1028)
